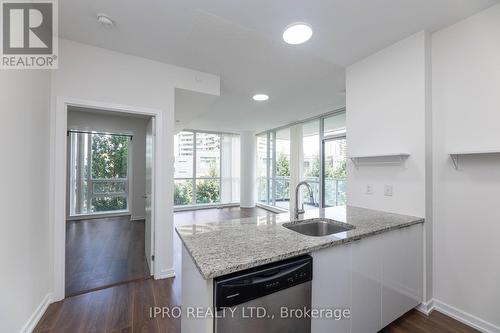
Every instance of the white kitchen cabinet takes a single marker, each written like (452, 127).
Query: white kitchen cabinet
(366, 281)
(331, 287)
(378, 277)
(402, 279)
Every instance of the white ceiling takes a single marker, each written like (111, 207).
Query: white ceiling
(241, 42)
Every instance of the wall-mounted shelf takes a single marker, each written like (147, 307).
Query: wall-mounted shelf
(396, 158)
(454, 155)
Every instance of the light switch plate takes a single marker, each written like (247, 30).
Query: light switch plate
(369, 189)
(388, 190)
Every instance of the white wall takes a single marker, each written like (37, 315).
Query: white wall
(466, 109)
(389, 111)
(96, 74)
(386, 109)
(247, 169)
(128, 125)
(25, 235)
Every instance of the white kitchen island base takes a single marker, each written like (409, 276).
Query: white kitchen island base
(377, 279)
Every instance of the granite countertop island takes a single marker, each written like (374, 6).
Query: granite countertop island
(224, 247)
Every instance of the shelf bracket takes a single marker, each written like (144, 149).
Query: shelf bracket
(355, 162)
(454, 158)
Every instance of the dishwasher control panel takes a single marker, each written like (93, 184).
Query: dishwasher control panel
(240, 287)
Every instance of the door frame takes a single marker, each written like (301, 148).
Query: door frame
(150, 261)
(58, 179)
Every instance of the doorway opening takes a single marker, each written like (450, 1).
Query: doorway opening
(109, 224)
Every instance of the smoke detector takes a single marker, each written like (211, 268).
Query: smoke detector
(105, 20)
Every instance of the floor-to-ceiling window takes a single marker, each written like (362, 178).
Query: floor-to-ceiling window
(206, 168)
(311, 162)
(262, 169)
(322, 162)
(281, 179)
(334, 160)
(98, 173)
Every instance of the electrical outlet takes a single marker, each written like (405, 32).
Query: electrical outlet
(388, 190)
(369, 189)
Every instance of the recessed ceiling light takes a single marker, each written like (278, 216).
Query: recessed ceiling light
(297, 33)
(105, 20)
(260, 97)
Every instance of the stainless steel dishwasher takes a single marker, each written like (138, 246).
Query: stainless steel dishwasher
(261, 299)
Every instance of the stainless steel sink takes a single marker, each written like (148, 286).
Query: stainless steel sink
(318, 227)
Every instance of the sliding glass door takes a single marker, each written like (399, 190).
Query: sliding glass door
(281, 172)
(321, 162)
(98, 173)
(311, 161)
(334, 171)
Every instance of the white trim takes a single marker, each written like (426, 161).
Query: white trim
(97, 216)
(137, 218)
(426, 307)
(166, 273)
(57, 209)
(462, 316)
(466, 318)
(37, 314)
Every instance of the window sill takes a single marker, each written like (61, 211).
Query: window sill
(117, 213)
(205, 206)
(273, 209)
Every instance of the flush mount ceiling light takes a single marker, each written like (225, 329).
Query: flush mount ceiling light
(297, 33)
(260, 97)
(105, 20)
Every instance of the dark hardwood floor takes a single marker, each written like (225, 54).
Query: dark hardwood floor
(104, 252)
(126, 307)
(436, 322)
(122, 308)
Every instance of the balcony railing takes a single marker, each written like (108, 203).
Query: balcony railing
(335, 194)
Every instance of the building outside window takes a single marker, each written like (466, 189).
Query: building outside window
(335, 160)
(206, 168)
(281, 181)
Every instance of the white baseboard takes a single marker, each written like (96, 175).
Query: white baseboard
(165, 274)
(37, 315)
(466, 318)
(462, 316)
(97, 216)
(137, 218)
(426, 307)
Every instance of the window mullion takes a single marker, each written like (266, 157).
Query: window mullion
(273, 194)
(220, 168)
(321, 163)
(194, 169)
(268, 168)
